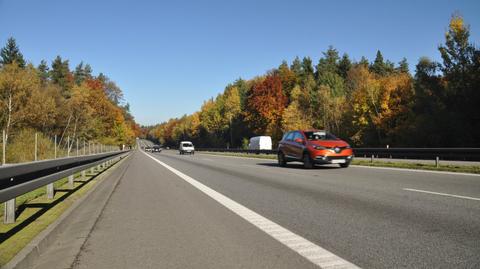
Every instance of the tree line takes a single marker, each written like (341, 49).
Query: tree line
(56, 101)
(375, 103)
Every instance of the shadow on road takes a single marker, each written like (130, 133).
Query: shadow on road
(300, 166)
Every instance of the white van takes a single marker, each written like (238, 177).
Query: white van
(260, 142)
(186, 147)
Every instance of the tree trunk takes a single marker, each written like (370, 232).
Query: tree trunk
(64, 130)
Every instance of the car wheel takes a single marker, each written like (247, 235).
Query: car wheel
(307, 161)
(281, 159)
(344, 165)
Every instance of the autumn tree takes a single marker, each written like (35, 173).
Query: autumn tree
(294, 116)
(265, 106)
(16, 85)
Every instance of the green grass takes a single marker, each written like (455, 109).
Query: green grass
(407, 165)
(34, 194)
(32, 220)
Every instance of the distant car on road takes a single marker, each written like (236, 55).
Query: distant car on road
(186, 147)
(314, 147)
(260, 142)
(156, 148)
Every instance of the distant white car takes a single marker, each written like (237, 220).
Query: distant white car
(186, 147)
(260, 143)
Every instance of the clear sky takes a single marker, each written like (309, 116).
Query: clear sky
(170, 56)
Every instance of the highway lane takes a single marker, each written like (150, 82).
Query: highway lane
(154, 217)
(364, 215)
(156, 220)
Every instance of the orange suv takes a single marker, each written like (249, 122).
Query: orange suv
(313, 147)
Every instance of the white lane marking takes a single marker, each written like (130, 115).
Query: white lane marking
(418, 170)
(443, 194)
(315, 254)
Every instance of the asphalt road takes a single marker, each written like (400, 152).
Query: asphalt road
(373, 218)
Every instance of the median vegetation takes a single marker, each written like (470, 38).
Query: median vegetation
(368, 103)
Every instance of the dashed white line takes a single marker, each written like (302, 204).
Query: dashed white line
(312, 252)
(443, 194)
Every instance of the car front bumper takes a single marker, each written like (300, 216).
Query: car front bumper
(320, 159)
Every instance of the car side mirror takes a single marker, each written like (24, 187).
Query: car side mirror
(299, 140)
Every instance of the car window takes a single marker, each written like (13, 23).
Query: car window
(319, 135)
(187, 145)
(289, 136)
(297, 135)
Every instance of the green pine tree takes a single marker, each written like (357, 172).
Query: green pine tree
(60, 75)
(43, 71)
(378, 65)
(11, 53)
(403, 66)
(344, 66)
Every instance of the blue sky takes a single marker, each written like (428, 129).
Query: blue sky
(170, 56)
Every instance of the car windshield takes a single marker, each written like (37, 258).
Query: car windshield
(187, 145)
(319, 135)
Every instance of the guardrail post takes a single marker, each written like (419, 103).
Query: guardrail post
(70, 182)
(4, 147)
(50, 186)
(9, 206)
(50, 191)
(9, 212)
(36, 146)
(371, 159)
(437, 162)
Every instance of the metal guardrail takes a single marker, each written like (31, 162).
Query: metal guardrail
(450, 154)
(18, 179)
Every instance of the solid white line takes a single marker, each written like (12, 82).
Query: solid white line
(444, 194)
(314, 254)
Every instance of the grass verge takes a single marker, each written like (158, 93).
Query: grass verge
(35, 212)
(406, 165)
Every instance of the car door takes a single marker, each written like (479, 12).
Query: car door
(296, 147)
(285, 146)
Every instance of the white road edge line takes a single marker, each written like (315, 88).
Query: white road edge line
(443, 194)
(315, 254)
